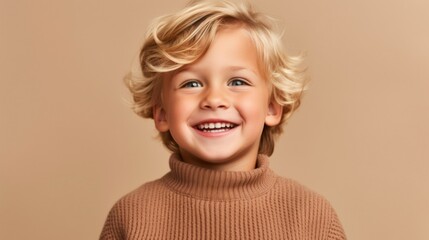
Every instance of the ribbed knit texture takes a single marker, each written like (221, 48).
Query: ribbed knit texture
(191, 202)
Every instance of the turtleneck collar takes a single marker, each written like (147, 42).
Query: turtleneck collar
(198, 182)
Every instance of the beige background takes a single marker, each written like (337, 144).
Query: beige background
(70, 147)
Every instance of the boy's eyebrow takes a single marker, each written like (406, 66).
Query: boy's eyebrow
(231, 68)
(240, 68)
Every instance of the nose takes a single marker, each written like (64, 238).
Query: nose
(215, 98)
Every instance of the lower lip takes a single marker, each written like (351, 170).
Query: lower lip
(215, 134)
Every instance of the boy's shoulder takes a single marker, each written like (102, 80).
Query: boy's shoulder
(128, 210)
(303, 203)
(136, 202)
(296, 192)
(308, 208)
(293, 186)
(142, 194)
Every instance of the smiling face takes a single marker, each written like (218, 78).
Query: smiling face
(216, 108)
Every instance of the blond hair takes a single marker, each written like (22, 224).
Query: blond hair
(179, 39)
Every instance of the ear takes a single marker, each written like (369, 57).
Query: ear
(274, 114)
(160, 119)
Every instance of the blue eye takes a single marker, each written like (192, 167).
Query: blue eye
(191, 84)
(238, 82)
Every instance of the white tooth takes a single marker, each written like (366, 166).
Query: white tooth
(228, 125)
(223, 125)
(201, 126)
(218, 125)
(206, 125)
(211, 125)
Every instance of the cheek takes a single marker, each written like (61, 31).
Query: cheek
(178, 109)
(254, 108)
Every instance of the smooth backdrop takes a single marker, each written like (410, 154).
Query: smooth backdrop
(70, 146)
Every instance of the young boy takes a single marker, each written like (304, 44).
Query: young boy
(218, 88)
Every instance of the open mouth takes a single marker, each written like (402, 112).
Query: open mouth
(215, 126)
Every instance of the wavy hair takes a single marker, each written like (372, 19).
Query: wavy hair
(181, 38)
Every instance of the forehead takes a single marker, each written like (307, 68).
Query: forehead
(231, 49)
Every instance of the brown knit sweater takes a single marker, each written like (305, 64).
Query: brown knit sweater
(191, 202)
